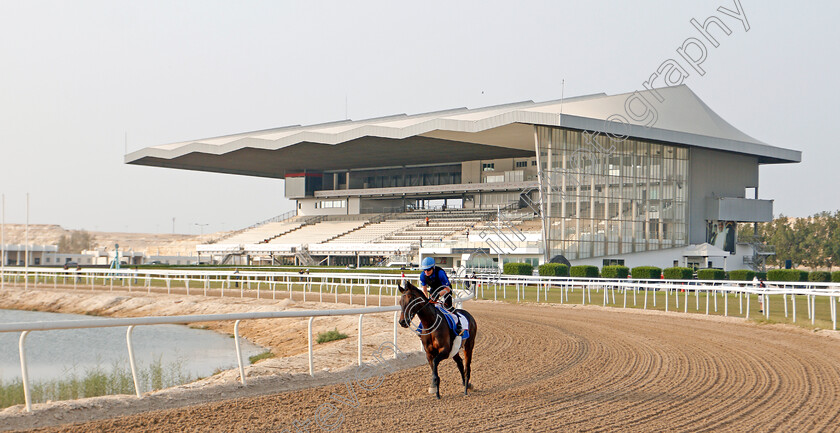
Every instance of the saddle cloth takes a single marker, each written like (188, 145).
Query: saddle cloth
(453, 319)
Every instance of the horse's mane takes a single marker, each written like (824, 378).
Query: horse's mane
(418, 292)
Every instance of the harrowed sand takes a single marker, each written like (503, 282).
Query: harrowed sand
(536, 368)
(286, 338)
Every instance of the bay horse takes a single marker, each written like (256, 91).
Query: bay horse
(436, 336)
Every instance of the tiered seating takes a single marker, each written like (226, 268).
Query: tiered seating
(319, 232)
(440, 227)
(262, 233)
(373, 232)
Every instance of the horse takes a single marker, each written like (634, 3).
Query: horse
(436, 336)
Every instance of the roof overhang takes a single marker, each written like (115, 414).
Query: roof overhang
(454, 136)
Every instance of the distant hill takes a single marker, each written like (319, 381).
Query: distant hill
(149, 243)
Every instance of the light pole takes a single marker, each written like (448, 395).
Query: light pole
(201, 226)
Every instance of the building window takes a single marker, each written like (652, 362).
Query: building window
(329, 204)
(521, 164)
(488, 166)
(533, 163)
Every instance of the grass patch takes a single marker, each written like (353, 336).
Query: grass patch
(265, 355)
(324, 337)
(95, 382)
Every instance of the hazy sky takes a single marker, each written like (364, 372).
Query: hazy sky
(78, 77)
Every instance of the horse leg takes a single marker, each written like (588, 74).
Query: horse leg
(468, 348)
(435, 388)
(460, 364)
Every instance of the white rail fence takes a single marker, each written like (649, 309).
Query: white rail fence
(223, 279)
(607, 289)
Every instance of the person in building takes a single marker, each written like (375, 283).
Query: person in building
(434, 278)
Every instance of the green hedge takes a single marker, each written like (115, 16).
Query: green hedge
(554, 270)
(835, 277)
(518, 269)
(711, 274)
(787, 275)
(761, 275)
(742, 275)
(646, 273)
(678, 273)
(819, 276)
(615, 271)
(584, 271)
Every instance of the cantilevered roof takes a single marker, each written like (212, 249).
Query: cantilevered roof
(451, 136)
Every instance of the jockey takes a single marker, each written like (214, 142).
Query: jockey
(435, 277)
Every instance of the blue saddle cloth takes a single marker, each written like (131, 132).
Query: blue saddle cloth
(451, 321)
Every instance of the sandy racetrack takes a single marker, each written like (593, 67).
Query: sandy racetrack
(542, 368)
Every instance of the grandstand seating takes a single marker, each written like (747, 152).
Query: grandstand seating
(263, 233)
(375, 232)
(317, 233)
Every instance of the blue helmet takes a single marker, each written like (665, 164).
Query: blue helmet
(428, 263)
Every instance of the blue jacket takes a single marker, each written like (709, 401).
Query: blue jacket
(435, 281)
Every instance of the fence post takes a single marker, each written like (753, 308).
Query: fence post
(238, 352)
(131, 360)
(784, 299)
(24, 372)
(726, 304)
(360, 338)
(309, 331)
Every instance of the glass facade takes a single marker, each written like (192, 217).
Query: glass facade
(606, 196)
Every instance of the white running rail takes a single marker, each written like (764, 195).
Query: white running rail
(131, 323)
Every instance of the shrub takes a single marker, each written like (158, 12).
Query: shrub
(333, 335)
(787, 275)
(742, 275)
(511, 268)
(615, 271)
(711, 274)
(819, 276)
(678, 273)
(761, 275)
(584, 271)
(646, 272)
(265, 355)
(835, 277)
(554, 270)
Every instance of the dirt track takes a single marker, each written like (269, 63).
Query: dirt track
(549, 368)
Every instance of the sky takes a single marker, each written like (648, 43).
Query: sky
(85, 82)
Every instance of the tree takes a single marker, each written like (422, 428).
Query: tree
(77, 241)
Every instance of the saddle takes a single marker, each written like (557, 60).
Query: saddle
(458, 323)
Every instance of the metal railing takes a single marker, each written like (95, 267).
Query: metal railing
(672, 288)
(282, 217)
(13, 274)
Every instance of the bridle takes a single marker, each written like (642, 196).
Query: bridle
(412, 309)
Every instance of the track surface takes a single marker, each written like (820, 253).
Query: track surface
(549, 368)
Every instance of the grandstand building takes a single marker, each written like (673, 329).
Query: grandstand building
(653, 178)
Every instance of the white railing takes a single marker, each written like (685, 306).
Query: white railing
(672, 288)
(111, 275)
